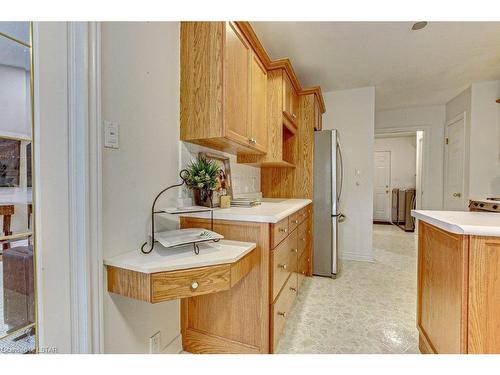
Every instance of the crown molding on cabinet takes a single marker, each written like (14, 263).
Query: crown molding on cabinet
(285, 64)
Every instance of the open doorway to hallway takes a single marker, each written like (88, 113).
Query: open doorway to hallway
(398, 177)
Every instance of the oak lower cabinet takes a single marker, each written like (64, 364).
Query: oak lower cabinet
(458, 300)
(250, 317)
(222, 89)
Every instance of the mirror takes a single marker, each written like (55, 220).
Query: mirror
(17, 267)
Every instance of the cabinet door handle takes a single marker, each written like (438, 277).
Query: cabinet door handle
(295, 250)
(457, 195)
(283, 230)
(294, 115)
(252, 140)
(282, 266)
(293, 289)
(295, 221)
(283, 314)
(194, 285)
(303, 239)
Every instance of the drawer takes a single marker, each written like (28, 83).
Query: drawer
(293, 220)
(303, 267)
(305, 213)
(279, 232)
(303, 234)
(190, 283)
(283, 263)
(280, 310)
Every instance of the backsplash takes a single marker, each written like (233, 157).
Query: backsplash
(244, 178)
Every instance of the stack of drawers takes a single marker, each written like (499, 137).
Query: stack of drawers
(290, 262)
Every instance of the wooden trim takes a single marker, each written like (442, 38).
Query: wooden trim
(285, 64)
(128, 283)
(199, 342)
(316, 90)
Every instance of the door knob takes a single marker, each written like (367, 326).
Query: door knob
(457, 195)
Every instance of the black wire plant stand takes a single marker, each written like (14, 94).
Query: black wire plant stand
(183, 175)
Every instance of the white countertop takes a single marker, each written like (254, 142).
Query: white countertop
(270, 211)
(462, 222)
(162, 259)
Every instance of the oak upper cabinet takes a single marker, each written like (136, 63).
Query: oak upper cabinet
(258, 116)
(290, 100)
(216, 106)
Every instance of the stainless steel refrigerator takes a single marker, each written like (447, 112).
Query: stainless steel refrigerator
(328, 180)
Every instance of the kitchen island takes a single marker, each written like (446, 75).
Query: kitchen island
(458, 298)
(250, 317)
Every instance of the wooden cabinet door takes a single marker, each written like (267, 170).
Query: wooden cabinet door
(442, 290)
(258, 128)
(484, 296)
(290, 97)
(236, 85)
(318, 121)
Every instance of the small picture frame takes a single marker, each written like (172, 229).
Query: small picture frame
(224, 184)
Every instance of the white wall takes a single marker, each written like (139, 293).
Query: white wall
(431, 118)
(352, 113)
(140, 91)
(485, 140)
(482, 137)
(403, 159)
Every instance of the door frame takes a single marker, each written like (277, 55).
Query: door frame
(461, 116)
(426, 148)
(77, 296)
(388, 203)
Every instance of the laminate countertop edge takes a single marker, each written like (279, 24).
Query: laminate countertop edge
(462, 222)
(270, 211)
(181, 258)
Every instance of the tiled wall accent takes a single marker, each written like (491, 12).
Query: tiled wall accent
(245, 178)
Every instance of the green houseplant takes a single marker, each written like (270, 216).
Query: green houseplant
(202, 179)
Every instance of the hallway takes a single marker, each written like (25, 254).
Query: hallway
(369, 308)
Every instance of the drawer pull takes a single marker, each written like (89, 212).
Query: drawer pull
(293, 289)
(194, 285)
(295, 250)
(282, 266)
(252, 141)
(283, 230)
(283, 314)
(295, 221)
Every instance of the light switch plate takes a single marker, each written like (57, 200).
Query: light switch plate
(111, 135)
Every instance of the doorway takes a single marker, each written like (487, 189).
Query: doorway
(398, 176)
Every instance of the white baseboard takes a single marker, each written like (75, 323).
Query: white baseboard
(356, 257)
(174, 347)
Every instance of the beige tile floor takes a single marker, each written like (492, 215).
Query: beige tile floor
(369, 308)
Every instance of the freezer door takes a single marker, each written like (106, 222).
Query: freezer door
(323, 203)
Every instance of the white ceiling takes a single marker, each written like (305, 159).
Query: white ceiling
(408, 68)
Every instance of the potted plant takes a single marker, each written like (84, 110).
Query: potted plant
(202, 179)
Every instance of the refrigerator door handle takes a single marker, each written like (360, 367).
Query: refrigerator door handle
(341, 172)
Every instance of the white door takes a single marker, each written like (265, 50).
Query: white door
(454, 165)
(381, 186)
